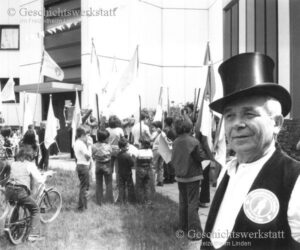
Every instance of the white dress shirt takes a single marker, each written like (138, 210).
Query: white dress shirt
(80, 150)
(136, 132)
(240, 182)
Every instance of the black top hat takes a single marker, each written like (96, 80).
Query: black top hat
(250, 74)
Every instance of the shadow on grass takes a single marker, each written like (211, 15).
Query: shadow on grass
(128, 226)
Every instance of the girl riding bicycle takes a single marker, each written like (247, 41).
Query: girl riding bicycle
(18, 187)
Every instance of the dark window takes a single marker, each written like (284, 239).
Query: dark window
(261, 29)
(231, 30)
(9, 37)
(3, 82)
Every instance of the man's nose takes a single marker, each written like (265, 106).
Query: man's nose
(239, 123)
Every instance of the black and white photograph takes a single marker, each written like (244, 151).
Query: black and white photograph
(149, 124)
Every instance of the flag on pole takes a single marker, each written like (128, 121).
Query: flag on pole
(50, 68)
(95, 85)
(127, 78)
(159, 110)
(126, 91)
(76, 121)
(1, 107)
(207, 59)
(8, 92)
(27, 114)
(164, 148)
(51, 126)
(205, 116)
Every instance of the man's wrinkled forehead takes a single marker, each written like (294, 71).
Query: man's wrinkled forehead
(247, 103)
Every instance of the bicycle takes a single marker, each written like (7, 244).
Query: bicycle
(18, 219)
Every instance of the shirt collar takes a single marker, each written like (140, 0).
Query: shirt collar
(232, 165)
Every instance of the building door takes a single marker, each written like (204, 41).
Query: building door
(64, 133)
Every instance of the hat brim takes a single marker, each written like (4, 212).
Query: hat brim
(267, 89)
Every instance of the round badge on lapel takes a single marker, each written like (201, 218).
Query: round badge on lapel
(261, 206)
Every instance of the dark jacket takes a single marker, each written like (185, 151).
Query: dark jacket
(187, 156)
(125, 163)
(278, 175)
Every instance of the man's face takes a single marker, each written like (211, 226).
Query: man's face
(249, 127)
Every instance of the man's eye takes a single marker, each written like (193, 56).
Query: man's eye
(250, 114)
(228, 116)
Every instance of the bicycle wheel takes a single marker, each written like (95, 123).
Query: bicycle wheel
(3, 204)
(17, 224)
(50, 205)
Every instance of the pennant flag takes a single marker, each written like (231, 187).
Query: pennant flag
(206, 123)
(164, 148)
(1, 107)
(76, 121)
(111, 80)
(220, 143)
(210, 88)
(127, 78)
(28, 116)
(8, 92)
(126, 91)
(50, 68)
(205, 116)
(207, 59)
(159, 110)
(51, 126)
(95, 85)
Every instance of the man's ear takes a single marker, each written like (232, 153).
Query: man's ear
(278, 119)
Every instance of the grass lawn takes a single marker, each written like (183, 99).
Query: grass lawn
(107, 226)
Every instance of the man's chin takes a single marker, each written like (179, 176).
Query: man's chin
(243, 148)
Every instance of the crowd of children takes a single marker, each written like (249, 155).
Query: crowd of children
(114, 153)
(120, 147)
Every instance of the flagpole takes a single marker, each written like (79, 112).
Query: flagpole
(217, 136)
(98, 114)
(196, 105)
(17, 113)
(40, 79)
(140, 109)
(24, 103)
(168, 102)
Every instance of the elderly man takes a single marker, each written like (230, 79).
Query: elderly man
(256, 205)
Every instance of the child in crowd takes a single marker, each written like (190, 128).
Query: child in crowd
(144, 171)
(82, 152)
(158, 162)
(187, 156)
(125, 163)
(18, 187)
(101, 153)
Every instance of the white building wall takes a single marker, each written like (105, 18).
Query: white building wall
(25, 63)
(284, 44)
(9, 59)
(31, 42)
(215, 28)
(185, 34)
(171, 35)
(116, 38)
